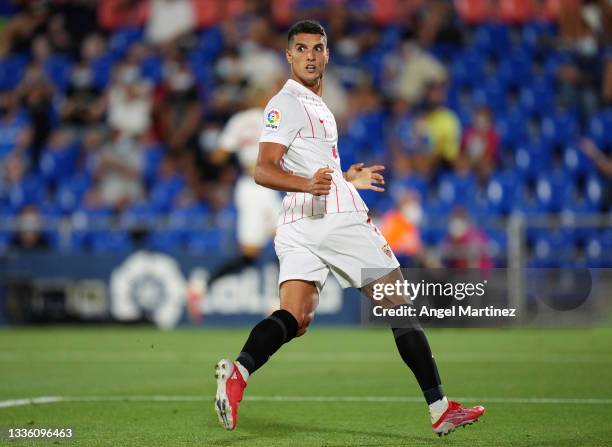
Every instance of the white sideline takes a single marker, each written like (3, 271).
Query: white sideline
(483, 400)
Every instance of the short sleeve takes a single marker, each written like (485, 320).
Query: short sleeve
(283, 118)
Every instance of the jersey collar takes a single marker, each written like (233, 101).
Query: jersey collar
(294, 85)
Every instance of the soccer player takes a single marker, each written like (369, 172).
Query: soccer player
(257, 206)
(323, 226)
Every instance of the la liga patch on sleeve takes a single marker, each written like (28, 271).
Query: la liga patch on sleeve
(272, 119)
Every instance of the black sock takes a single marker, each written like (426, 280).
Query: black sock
(266, 338)
(416, 353)
(232, 266)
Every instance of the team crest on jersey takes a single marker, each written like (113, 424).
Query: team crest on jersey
(387, 250)
(273, 119)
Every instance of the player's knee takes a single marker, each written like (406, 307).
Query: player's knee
(303, 324)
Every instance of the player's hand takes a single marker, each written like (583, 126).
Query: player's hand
(366, 177)
(320, 183)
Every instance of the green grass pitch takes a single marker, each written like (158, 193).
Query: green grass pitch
(335, 387)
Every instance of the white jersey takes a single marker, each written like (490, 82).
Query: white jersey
(298, 119)
(241, 136)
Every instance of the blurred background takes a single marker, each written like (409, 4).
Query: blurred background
(493, 118)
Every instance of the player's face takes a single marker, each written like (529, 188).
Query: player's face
(308, 56)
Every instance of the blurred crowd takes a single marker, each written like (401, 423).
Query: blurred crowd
(115, 107)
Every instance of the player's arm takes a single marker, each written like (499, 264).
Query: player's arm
(363, 177)
(268, 173)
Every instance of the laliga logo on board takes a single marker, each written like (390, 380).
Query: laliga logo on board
(273, 119)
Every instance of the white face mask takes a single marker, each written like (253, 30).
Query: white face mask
(457, 227)
(128, 74)
(181, 81)
(412, 212)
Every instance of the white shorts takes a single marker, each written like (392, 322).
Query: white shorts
(258, 209)
(343, 243)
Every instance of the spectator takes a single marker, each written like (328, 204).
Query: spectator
(465, 246)
(409, 71)
(15, 127)
(409, 141)
(129, 101)
(37, 97)
(604, 165)
(480, 144)
(178, 108)
(118, 172)
(18, 187)
(438, 24)
(84, 104)
(400, 226)
(443, 126)
(260, 63)
(169, 19)
(29, 235)
(16, 36)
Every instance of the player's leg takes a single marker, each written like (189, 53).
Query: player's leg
(253, 231)
(298, 300)
(415, 351)
(411, 343)
(356, 244)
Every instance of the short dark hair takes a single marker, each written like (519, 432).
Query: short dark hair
(306, 27)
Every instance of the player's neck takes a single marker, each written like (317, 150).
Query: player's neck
(316, 88)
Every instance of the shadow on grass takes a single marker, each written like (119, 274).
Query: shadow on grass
(265, 431)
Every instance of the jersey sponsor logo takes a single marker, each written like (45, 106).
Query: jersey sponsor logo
(273, 119)
(387, 250)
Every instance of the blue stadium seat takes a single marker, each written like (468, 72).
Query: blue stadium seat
(152, 68)
(211, 42)
(453, 189)
(30, 191)
(498, 241)
(595, 254)
(533, 157)
(57, 68)
(516, 69)
(165, 192)
(537, 98)
(56, 165)
(600, 128)
(492, 94)
(102, 69)
(70, 193)
(415, 182)
(553, 249)
(114, 241)
(492, 39)
(206, 240)
(560, 128)
(152, 157)
(593, 190)
(139, 215)
(512, 127)
(575, 161)
(12, 69)
(168, 240)
(121, 40)
(433, 236)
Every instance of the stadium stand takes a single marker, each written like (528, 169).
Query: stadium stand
(96, 105)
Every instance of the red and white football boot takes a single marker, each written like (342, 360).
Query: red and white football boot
(456, 416)
(230, 388)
